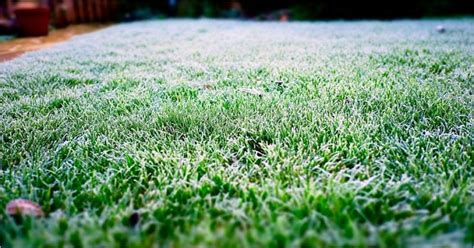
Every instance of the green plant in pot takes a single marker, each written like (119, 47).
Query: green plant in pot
(32, 17)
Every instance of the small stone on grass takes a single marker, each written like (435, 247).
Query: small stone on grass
(253, 91)
(440, 29)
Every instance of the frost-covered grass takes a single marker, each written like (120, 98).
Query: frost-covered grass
(361, 134)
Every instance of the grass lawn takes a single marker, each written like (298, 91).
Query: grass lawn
(243, 134)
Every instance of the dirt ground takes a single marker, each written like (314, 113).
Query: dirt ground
(16, 47)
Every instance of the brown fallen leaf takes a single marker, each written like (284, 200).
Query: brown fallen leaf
(21, 207)
(207, 86)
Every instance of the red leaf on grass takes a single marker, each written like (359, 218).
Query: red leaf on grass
(24, 207)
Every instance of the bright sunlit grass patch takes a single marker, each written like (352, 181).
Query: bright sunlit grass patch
(245, 134)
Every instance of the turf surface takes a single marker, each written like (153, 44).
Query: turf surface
(243, 134)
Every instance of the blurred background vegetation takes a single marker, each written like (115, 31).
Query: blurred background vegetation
(295, 9)
(60, 13)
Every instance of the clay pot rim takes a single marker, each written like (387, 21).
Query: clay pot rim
(32, 10)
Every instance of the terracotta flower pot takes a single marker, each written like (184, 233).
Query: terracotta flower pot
(32, 21)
